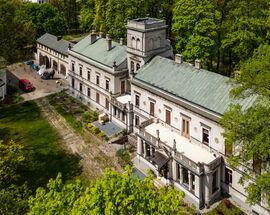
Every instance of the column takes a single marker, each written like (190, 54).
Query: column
(139, 146)
(174, 170)
(181, 174)
(144, 147)
(197, 187)
(189, 181)
(208, 189)
(218, 177)
(150, 151)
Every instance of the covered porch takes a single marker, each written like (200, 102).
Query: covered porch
(121, 109)
(192, 169)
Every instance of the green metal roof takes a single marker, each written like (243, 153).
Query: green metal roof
(52, 42)
(98, 51)
(198, 86)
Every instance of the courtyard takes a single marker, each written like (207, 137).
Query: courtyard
(42, 87)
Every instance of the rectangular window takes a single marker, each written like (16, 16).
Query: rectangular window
(137, 121)
(72, 67)
(137, 100)
(72, 83)
(97, 79)
(80, 71)
(228, 176)
(123, 87)
(177, 171)
(88, 92)
(107, 85)
(88, 75)
(114, 111)
(185, 127)
(97, 98)
(152, 108)
(107, 103)
(142, 146)
(80, 87)
(168, 117)
(185, 176)
(205, 136)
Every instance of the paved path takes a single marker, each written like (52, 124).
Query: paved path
(95, 155)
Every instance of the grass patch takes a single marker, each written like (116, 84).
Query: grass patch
(44, 155)
(12, 97)
(75, 113)
(66, 111)
(123, 157)
(225, 208)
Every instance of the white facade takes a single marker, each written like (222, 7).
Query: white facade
(100, 89)
(181, 142)
(52, 59)
(197, 122)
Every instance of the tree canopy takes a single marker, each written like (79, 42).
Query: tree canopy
(115, 193)
(247, 130)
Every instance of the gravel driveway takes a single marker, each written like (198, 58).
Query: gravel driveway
(42, 87)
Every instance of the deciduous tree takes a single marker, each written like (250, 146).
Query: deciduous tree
(247, 129)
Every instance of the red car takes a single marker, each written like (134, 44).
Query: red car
(26, 85)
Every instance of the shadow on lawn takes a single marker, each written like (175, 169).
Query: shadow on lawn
(44, 155)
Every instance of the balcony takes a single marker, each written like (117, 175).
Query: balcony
(121, 101)
(189, 154)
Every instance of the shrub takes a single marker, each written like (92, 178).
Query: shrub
(102, 134)
(90, 125)
(124, 156)
(95, 130)
(94, 116)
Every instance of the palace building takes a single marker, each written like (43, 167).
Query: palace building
(173, 108)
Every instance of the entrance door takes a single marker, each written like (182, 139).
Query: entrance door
(168, 117)
(123, 87)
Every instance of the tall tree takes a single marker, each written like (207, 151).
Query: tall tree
(245, 27)
(87, 14)
(195, 24)
(247, 130)
(45, 18)
(113, 194)
(15, 33)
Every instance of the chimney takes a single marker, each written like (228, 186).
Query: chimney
(101, 34)
(121, 41)
(197, 64)
(59, 38)
(109, 42)
(93, 37)
(179, 58)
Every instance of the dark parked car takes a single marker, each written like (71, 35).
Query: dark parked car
(25, 85)
(48, 74)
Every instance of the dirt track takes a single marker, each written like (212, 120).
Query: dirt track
(95, 155)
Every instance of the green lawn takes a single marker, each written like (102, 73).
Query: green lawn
(225, 208)
(44, 155)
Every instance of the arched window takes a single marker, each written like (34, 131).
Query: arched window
(132, 66)
(138, 44)
(138, 66)
(133, 42)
